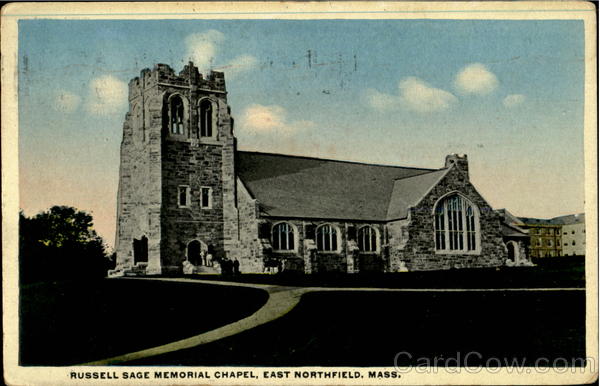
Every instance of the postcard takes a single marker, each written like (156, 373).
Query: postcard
(299, 193)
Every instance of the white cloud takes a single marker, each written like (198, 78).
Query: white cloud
(513, 100)
(381, 101)
(239, 65)
(259, 119)
(202, 48)
(476, 79)
(107, 95)
(417, 95)
(66, 101)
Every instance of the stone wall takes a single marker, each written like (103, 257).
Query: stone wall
(412, 243)
(155, 162)
(187, 163)
(306, 258)
(248, 251)
(139, 196)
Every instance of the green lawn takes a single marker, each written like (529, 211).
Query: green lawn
(67, 323)
(73, 322)
(369, 328)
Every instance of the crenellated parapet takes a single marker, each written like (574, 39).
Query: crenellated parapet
(188, 78)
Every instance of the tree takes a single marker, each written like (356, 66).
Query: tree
(60, 243)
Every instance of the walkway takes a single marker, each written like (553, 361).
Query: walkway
(282, 299)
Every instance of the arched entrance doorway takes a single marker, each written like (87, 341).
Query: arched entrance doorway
(196, 252)
(140, 250)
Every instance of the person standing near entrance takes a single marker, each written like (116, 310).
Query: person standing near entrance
(203, 257)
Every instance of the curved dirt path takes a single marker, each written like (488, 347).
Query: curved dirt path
(281, 300)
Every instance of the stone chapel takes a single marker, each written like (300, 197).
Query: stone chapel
(188, 199)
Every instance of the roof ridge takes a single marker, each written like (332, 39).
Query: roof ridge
(336, 160)
(422, 174)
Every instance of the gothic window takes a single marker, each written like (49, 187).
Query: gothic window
(205, 198)
(183, 196)
(282, 237)
(327, 238)
(367, 239)
(456, 225)
(206, 118)
(176, 115)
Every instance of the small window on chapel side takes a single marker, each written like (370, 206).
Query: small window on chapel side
(206, 198)
(183, 196)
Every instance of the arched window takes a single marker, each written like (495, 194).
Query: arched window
(367, 239)
(282, 237)
(327, 238)
(456, 225)
(206, 118)
(176, 115)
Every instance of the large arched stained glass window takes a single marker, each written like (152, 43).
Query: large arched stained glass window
(456, 225)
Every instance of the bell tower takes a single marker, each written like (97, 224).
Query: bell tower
(177, 177)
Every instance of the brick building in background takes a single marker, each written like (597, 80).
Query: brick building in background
(558, 236)
(188, 198)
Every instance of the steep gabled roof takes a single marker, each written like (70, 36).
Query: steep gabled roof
(513, 231)
(409, 191)
(510, 218)
(511, 225)
(291, 186)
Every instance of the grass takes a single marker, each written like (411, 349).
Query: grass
(370, 328)
(557, 272)
(66, 323)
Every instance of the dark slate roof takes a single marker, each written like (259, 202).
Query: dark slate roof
(570, 219)
(513, 231)
(510, 218)
(409, 191)
(536, 221)
(292, 186)
(561, 220)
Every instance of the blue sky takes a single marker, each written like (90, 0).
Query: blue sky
(404, 92)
